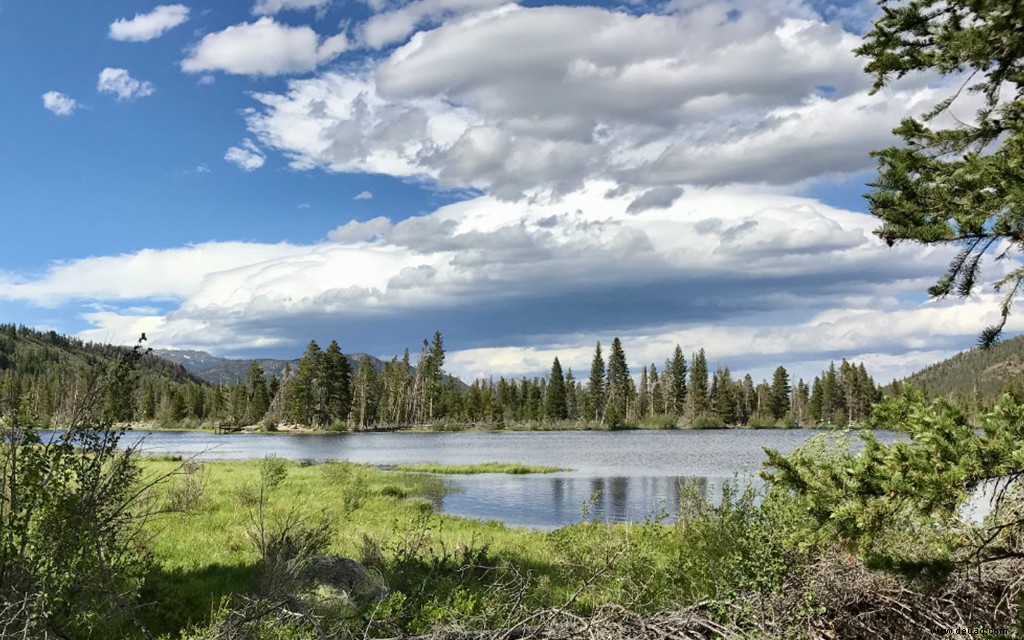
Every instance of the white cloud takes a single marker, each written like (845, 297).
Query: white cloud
(59, 103)
(364, 195)
(394, 26)
(263, 48)
(355, 231)
(249, 157)
(121, 84)
(758, 280)
(168, 274)
(580, 93)
(147, 26)
(805, 347)
(272, 7)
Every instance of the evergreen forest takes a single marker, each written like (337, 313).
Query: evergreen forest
(43, 372)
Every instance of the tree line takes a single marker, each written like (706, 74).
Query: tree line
(325, 391)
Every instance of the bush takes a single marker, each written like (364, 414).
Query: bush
(186, 495)
(706, 421)
(732, 547)
(273, 471)
(71, 555)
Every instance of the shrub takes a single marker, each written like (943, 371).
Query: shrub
(273, 471)
(187, 494)
(71, 555)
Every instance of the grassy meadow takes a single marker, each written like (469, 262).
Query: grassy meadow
(438, 568)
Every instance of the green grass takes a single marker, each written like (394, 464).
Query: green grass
(516, 468)
(439, 568)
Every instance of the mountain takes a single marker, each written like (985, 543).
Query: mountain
(29, 353)
(219, 370)
(981, 373)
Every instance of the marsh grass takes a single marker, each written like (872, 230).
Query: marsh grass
(515, 468)
(439, 569)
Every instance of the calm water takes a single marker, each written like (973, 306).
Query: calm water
(619, 476)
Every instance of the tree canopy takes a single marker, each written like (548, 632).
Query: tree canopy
(960, 185)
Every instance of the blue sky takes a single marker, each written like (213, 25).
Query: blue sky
(527, 178)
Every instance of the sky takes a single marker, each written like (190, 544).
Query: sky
(528, 179)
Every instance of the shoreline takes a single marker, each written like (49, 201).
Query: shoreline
(454, 428)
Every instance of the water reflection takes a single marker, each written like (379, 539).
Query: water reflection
(549, 502)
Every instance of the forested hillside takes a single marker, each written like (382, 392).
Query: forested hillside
(44, 372)
(975, 377)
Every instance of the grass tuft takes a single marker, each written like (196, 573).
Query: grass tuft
(515, 468)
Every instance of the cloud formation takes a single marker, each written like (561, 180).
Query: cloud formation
(148, 26)
(121, 84)
(263, 48)
(273, 7)
(757, 280)
(394, 26)
(248, 156)
(714, 93)
(59, 103)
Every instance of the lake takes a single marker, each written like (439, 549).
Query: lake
(617, 476)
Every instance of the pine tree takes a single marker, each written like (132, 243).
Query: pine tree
(618, 381)
(337, 383)
(643, 400)
(955, 184)
(833, 398)
(698, 391)
(816, 404)
(302, 388)
(257, 394)
(725, 397)
(676, 376)
(429, 377)
(779, 403)
(572, 396)
(595, 388)
(556, 407)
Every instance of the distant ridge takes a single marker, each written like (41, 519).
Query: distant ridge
(983, 372)
(220, 370)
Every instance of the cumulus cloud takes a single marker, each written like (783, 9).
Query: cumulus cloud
(263, 48)
(147, 26)
(59, 104)
(730, 92)
(364, 195)
(121, 84)
(395, 26)
(755, 279)
(248, 156)
(272, 7)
